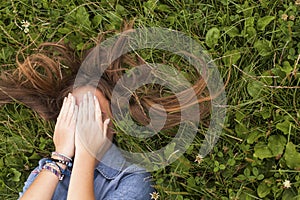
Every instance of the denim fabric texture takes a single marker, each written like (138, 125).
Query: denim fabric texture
(114, 179)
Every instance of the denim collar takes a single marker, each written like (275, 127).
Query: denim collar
(111, 163)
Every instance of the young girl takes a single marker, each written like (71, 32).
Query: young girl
(85, 164)
(89, 179)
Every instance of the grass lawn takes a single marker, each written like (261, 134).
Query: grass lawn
(254, 43)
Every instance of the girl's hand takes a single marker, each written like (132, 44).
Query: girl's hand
(91, 132)
(64, 133)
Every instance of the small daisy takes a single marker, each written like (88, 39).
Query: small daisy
(26, 30)
(284, 17)
(199, 159)
(26, 25)
(287, 184)
(297, 2)
(292, 17)
(154, 195)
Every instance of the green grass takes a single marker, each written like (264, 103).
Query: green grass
(258, 149)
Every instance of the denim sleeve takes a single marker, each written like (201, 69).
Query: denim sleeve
(30, 180)
(134, 186)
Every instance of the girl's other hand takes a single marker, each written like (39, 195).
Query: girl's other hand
(91, 132)
(64, 133)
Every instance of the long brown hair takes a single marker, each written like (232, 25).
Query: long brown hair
(43, 79)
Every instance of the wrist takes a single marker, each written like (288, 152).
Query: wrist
(67, 153)
(62, 156)
(84, 157)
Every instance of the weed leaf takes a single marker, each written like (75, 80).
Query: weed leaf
(212, 37)
(263, 190)
(291, 156)
(284, 126)
(264, 21)
(263, 47)
(255, 89)
(276, 144)
(231, 57)
(261, 151)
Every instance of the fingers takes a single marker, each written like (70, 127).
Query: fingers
(71, 112)
(98, 113)
(79, 115)
(91, 131)
(87, 107)
(88, 110)
(91, 107)
(74, 116)
(67, 105)
(84, 108)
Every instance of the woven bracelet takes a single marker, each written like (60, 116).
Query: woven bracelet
(62, 156)
(54, 164)
(50, 167)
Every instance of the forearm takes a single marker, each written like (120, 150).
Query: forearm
(82, 178)
(43, 187)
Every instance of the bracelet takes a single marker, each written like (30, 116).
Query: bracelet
(52, 168)
(54, 164)
(66, 163)
(62, 156)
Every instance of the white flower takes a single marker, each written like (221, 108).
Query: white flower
(26, 30)
(154, 195)
(292, 17)
(297, 2)
(284, 17)
(25, 24)
(199, 158)
(287, 184)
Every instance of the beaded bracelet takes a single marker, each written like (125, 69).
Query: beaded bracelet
(62, 156)
(52, 168)
(66, 163)
(53, 163)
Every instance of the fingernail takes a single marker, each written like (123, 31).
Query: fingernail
(107, 121)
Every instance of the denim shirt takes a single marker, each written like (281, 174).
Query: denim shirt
(114, 179)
